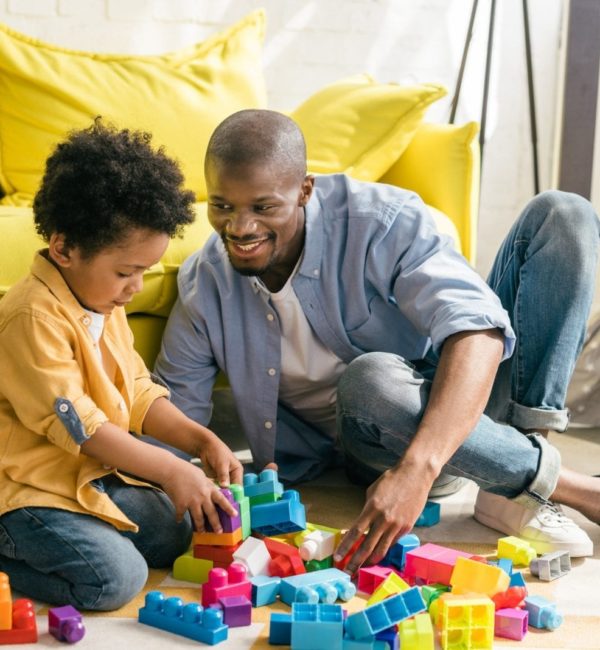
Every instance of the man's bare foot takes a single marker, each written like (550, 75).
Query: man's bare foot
(579, 491)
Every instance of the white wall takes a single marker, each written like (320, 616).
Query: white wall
(313, 42)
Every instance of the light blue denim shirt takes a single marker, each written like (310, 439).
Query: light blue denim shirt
(376, 275)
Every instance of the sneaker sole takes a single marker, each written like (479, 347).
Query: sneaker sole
(454, 484)
(574, 550)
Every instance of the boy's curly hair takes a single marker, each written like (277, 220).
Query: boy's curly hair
(101, 182)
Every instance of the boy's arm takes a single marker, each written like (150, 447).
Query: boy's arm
(165, 422)
(186, 485)
(460, 390)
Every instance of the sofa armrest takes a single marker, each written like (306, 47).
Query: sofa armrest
(441, 164)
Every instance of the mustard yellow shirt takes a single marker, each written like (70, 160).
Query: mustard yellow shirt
(55, 393)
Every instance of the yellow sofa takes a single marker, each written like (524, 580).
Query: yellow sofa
(370, 130)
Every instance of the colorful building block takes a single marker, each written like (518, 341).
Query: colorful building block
(317, 545)
(511, 623)
(217, 554)
(517, 550)
(551, 565)
(284, 516)
(23, 624)
(317, 626)
(243, 507)
(389, 637)
(66, 624)
(217, 539)
(431, 592)
(265, 590)
(5, 603)
(229, 523)
(363, 644)
(285, 558)
(187, 567)
(469, 576)
(512, 597)
(254, 555)
(237, 610)
(371, 620)
(517, 579)
(266, 483)
(231, 582)
(190, 620)
(280, 628)
(542, 613)
(430, 515)
(392, 585)
(431, 563)
(465, 623)
(318, 586)
(370, 577)
(416, 633)
(343, 562)
(396, 555)
(319, 565)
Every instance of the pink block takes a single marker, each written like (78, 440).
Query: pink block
(232, 581)
(431, 563)
(511, 623)
(369, 578)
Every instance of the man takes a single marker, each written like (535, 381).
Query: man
(317, 291)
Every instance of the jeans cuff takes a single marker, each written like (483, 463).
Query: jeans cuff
(529, 417)
(544, 483)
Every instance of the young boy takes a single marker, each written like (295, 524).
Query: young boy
(75, 526)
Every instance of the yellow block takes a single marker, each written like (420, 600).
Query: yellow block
(465, 622)
(518, 550)
(392, 585)
(416, 633)
(190, 568)
(474, 577)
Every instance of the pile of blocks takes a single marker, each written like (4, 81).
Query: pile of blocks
(419, 592)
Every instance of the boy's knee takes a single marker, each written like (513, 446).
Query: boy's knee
(123, 578)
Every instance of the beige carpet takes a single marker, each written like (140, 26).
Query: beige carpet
(332, 501)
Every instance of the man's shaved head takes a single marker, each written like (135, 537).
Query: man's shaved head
(258, 137)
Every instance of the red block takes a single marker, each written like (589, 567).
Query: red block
(24, 626)
(510, 598)
(219, 554)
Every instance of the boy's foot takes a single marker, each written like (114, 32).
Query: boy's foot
(446, 484)
(546, 529)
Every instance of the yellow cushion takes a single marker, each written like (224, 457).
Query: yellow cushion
(441, 164)
(180, 97)
(361, 127)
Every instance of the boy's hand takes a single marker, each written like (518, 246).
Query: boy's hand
(189, 488)
(220, 462)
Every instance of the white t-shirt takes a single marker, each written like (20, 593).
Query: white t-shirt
(95, 327)
(309, 371)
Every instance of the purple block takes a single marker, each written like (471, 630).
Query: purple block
(228, 523)
(237, 610)
(66, 624)
(511, 623)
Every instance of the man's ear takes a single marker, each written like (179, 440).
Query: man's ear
(58, 250)
(307, 188)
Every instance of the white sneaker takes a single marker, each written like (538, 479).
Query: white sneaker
(547, 529)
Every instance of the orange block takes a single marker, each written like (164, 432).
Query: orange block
(5, 603)
(218, 539)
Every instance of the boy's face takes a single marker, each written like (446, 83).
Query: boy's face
(112, 276)
(259, 213)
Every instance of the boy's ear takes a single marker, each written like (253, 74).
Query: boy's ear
(307, 188)
(59, 251)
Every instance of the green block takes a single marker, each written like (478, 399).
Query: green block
(318, 565)
(243, 507)
(431, 592)
(190, 568)
(259, 499)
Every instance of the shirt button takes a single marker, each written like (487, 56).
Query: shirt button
(270, 317)
(86, 320)
(121, 405)
(63, 408)
(271, 371)
(268, 424)
(316, 272)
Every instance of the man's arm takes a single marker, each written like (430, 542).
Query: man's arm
(459, 393)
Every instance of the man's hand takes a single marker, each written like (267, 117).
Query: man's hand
(220, 462)
(394, 502)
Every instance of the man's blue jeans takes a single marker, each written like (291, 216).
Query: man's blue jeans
(63, 557)
(544, 275)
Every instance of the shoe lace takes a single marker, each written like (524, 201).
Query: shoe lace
(553, 513)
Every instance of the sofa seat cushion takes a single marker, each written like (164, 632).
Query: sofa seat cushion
(180, 97)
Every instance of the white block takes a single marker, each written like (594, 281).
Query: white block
(317, 545)
(253, 554)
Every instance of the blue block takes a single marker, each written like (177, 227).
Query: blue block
(380, 616)
(191, 620)
(324, 586)
(391, 637)
(542, 613)
(284, 516)
(396, 555)
(280, 629)
(430, 515)
(517, 580)
(363, 644)
(265, 590)
(267, 482)
(317, 626)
